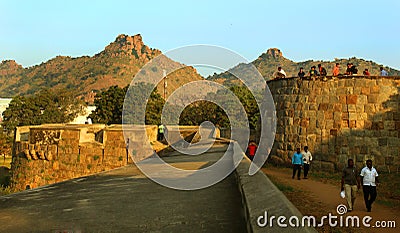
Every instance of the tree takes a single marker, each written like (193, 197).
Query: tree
(110, 105)
(44, 107)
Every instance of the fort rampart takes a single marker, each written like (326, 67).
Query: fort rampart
(349, 117)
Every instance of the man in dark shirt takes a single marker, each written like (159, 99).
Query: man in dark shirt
(350, 183)
(353, 69)
(313, 72)
(322, 70)
(301, 73)
(349, 70)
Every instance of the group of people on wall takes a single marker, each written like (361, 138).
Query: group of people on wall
(351, 69)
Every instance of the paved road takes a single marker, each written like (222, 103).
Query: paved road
(124, 200)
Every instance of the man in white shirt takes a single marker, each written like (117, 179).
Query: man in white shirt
(383, 72)
(280, 73)
(369, 177)
(307, 158)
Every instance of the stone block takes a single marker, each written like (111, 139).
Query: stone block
(389, 125)
(342, 99)
(337, 107)
(365, 90)
(334, 99)
(377, 125)
(337, 116)
(352, 124)
(349, 90)
(372, 98)
(327, 166)
(369, 108)
(351, 108)
(359, 124)
(323, 107)
(320, 116)
(351, 99)
(393, 142)
(374, 89)
(328, 115)
(352, 116)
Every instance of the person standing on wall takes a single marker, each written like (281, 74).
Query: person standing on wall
(251, 150)
(370, 180)
(297, 161)
(313, 72)
(160, 135)
(307, 158)
(336, 70)
(322, 70)
(280, 73)
(350, 183)
(383, 72)
(349, 70)
(301, 73)
(366, 73)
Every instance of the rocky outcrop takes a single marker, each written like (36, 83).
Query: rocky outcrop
(131, 45)
(9, 67)
(274, 52)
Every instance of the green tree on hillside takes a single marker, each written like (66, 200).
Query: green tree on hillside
(200, 111)
(45, 107)
(110, 103)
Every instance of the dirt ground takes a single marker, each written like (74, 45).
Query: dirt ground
(317, 198)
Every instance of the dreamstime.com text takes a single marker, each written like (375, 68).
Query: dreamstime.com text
(332, 220)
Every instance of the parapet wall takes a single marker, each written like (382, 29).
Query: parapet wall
(48, 154)
(352, 117)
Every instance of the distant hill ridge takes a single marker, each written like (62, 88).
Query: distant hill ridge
(115, 65)
(118, 63)
(268, 62)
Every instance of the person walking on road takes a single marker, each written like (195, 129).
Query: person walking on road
(307, 158)
(370, 180)
(350, 183)
(297, 161)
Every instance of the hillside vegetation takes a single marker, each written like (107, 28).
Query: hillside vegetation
(116, 65)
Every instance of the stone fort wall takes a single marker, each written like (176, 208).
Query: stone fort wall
(349, 117)
(52, 153)
(48, 154)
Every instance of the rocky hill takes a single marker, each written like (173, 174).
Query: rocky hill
(268, 62)
(115, 65)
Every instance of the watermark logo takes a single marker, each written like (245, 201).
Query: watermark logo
(332, 220)
(156, 72)
(341, 209)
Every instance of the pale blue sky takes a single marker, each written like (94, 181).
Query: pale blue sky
(32, 32)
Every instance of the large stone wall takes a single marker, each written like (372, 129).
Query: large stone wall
(352, 117)
(52, 153)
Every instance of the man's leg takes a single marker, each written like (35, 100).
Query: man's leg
(373, 196)
(306, 169)
(347, 191)
(298, 172)
(354, 190)
(294, 170)
(366, 196)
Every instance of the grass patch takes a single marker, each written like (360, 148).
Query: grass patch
(281, 186)
(5, 162)
(5, 190)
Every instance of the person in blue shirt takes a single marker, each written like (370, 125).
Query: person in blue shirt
(297, 161)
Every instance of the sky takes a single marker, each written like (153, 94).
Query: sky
(32, 32)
